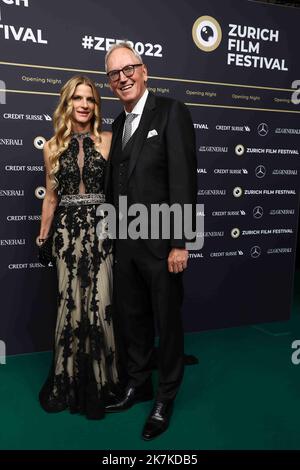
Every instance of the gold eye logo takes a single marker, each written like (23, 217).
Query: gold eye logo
(40, 192)
(237, 192)
(39, 142)
(239, 150)
(235, 232)
(207, 33)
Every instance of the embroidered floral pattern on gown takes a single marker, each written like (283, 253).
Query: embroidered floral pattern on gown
(83, 375)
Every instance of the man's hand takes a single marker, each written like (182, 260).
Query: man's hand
(177, 260)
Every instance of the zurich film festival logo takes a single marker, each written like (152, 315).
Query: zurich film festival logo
(39, 142)
(40, 192)
(207, 33)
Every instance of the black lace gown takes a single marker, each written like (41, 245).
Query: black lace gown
(83, 374)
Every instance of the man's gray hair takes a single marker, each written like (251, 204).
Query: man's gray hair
(122, 45)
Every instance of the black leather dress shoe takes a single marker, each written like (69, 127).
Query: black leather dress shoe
(158, 420)
(132, 396)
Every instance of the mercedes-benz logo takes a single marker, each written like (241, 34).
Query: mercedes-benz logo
(258, 212)
(255, 251)
(263, 129)
(260, 171)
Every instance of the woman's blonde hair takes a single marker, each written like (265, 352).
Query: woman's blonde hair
(63, 123)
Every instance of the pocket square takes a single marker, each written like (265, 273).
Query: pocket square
(152, 133)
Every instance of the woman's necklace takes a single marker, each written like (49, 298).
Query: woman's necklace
(80, 135)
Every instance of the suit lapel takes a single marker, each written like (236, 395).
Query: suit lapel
(142, 132)
(117, 128)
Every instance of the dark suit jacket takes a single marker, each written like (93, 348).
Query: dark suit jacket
(162, 168)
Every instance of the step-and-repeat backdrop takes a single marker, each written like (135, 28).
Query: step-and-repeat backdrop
(235, 64)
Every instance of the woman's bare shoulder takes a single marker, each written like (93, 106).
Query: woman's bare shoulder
(105, 143)
(106, 136)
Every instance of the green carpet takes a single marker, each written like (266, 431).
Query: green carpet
(243, 394)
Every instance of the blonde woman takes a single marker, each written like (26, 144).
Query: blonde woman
(83, 376)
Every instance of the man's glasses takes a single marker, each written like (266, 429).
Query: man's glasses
(128, 71)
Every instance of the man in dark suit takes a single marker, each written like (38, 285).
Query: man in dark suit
(153, 161)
